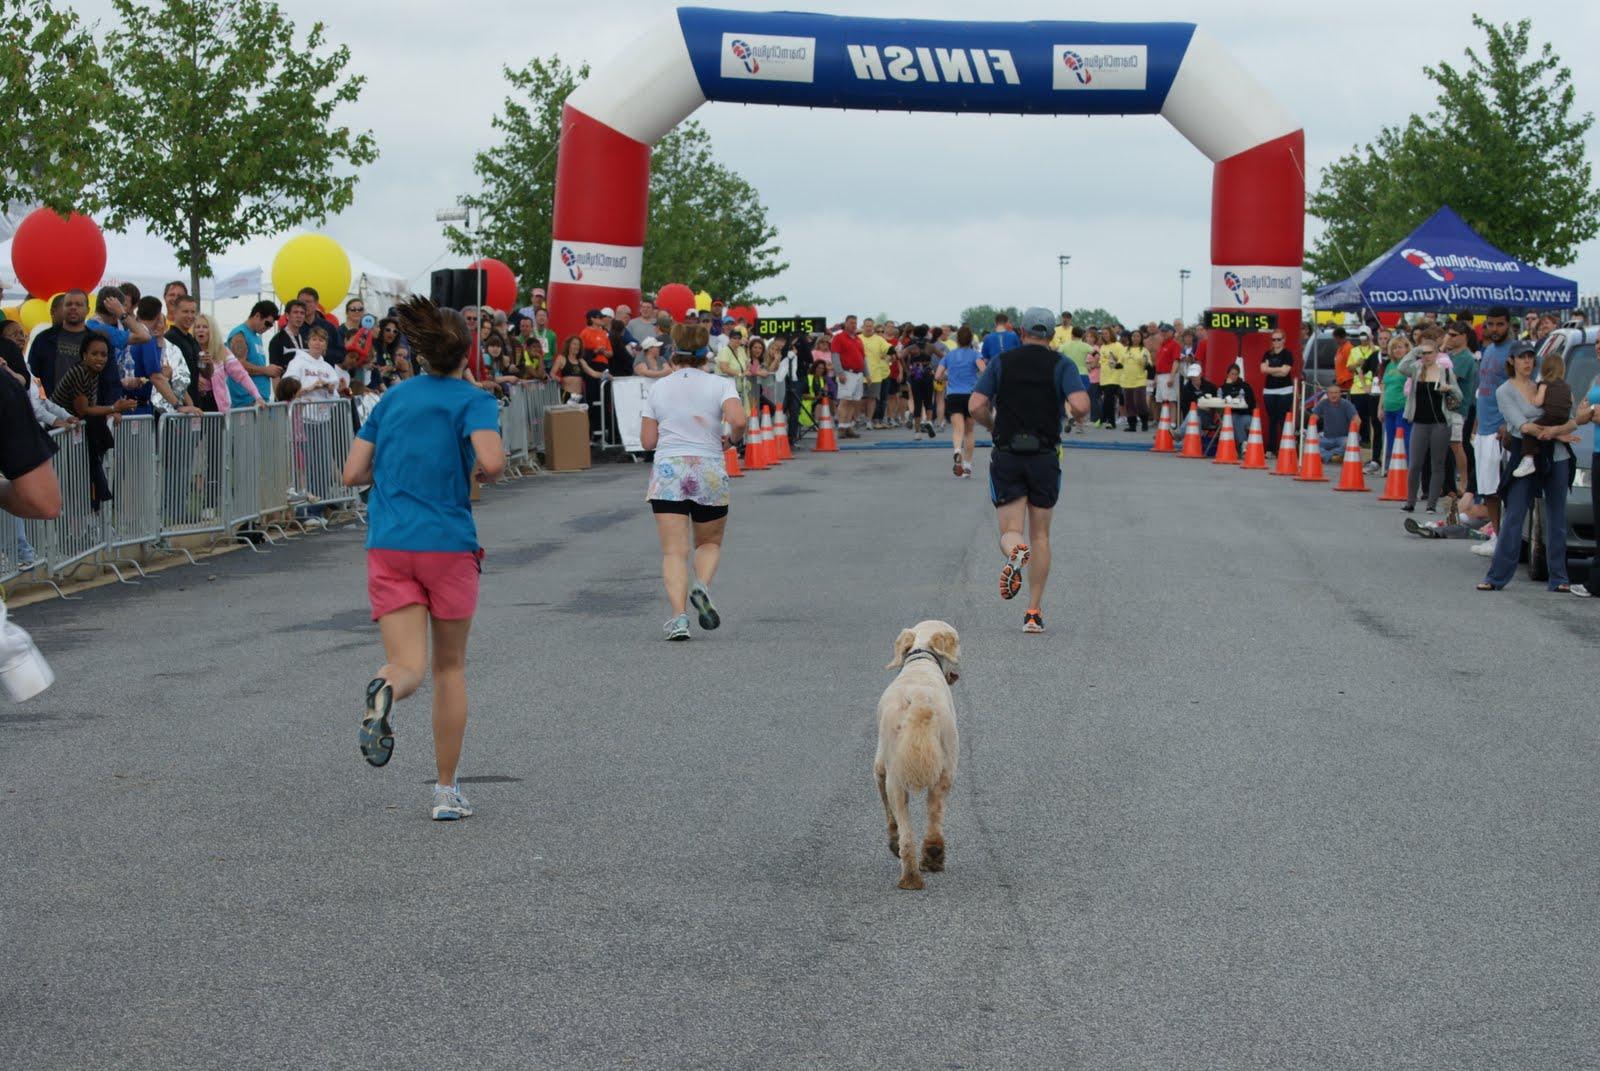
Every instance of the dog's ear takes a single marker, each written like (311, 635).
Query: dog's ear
(948, 647)
(902, 645)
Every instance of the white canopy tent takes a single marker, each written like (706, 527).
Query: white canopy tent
(137, 257)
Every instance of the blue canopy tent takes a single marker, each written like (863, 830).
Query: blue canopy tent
(1444, 264)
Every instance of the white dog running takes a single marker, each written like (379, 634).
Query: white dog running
(917, 742)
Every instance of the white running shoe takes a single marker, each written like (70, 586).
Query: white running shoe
(449, 804)
(1524, 468)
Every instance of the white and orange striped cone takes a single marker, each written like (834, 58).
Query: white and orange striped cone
(1255, 447)
(1227, 446)
(755, 453)
(769, 435)
(730, 453)
(827, 441)
(1397, 488)
(1311, 458)
(1351, 475)
(780, 428)
(1164, 443)
(1288, 459)
(1193, 445)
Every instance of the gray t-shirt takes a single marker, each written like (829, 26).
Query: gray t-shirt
(1517, 411)
(1334, 419)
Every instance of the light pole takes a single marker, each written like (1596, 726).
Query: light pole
(1061, 285)
(1183, 289)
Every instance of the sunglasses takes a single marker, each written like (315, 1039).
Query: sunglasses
(1277, 338)
(356, 308)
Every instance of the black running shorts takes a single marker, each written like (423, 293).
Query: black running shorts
(956, 405)
(693, 510)
(1036, 477)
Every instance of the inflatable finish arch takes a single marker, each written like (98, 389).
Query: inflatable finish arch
(1036, 68)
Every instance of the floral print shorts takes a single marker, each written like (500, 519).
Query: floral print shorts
(689, 479)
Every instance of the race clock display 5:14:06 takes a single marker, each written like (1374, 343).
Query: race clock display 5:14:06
(1223, 320)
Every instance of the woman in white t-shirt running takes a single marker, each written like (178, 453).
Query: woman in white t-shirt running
(684, 414)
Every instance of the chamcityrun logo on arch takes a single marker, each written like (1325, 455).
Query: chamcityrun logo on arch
(769, 58)
(1439, 268)
(1095, 67)
(594, 264)
(1255, 286)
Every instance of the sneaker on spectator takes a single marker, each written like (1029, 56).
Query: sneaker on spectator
(1486, 548)
(1370, 467)
(1581, 591)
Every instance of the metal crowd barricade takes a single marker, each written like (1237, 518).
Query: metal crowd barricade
(321, 433)
(276, 473)
(194, 474)
(514, 431)
(79, 532)
(244, 471)
(541, 396)
(135, 513)
(10, 548)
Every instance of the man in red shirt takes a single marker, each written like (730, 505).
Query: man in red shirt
(1167, 355)
(852, 358)
(595, 340)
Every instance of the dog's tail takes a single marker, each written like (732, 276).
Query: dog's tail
(919, 756)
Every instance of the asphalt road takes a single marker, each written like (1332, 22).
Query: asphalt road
(1279, 789)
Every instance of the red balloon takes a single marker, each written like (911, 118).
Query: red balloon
(50, 254)
(676, 299)
(747, 313)
(500, 284)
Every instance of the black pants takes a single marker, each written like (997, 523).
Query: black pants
(922, 398)
(1109, 397)
(1278, 407)
(791, 411)
(1367, 409)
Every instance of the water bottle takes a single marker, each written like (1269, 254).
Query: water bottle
(126, 364)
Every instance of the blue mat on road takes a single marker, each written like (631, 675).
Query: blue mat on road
(944, 444)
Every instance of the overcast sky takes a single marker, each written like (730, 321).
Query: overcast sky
(1001, 197)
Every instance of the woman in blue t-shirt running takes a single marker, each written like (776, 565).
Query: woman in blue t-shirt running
(958, 371)
(418, 449)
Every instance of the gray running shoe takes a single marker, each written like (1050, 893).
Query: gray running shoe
(677, 628)
(376, 735)
(700, 599)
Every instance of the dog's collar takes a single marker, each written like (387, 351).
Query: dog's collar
(939, 659)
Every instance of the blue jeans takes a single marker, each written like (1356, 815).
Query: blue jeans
(1332, 449)
(1391, 421)
(24, 548)
(1514, 517)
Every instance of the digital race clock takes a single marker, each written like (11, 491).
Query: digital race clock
(1222, 320)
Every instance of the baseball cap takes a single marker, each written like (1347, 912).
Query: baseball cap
(1364, 332)
(650, 344)
(1522, 346)
(607, 312)
(1193, 370)
(1038, 320)
(539, 290)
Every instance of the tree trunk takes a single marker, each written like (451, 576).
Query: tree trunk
(195, 261)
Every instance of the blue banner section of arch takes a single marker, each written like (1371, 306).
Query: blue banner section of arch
(1031, 68)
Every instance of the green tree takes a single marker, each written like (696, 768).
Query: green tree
(514, 211)
(1502, 146)
(981, 317)
(228, 124)
(53, 93)
(1087, 318)
(707, 226)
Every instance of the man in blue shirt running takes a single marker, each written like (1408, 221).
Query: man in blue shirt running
(1001, 339)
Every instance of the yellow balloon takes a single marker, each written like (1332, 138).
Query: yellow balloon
(702, 300)
(313, 260)
(34, 311)
(13, 313)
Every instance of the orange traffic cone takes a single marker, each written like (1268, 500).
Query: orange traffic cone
(1288, 460)
(1164, 443)
(1255, 447)
(730, 453)
(755, 451)
(1351, 478)
(1227, 445)
(827, 441)
(1396, 488)
(769, 436)
(1192, 444)
(780, 428)
(1311, 459)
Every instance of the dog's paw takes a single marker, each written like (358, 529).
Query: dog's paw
(933, 856)
(911, 881)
